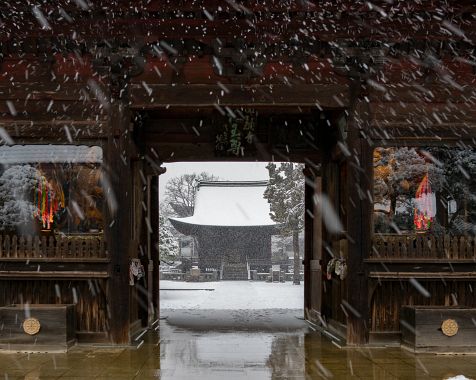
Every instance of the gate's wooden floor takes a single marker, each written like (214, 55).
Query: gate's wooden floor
(186, 354)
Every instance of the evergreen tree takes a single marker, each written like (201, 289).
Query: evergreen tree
(460, 185)
(168, 243)
(285, 194)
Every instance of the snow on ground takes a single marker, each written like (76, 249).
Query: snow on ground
(230, 295)
(283, 320)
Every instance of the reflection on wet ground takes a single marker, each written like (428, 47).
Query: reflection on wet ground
(214, 350)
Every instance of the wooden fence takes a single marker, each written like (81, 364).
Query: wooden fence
(423, 246)
(12, 246)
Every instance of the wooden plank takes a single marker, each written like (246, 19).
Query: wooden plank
(29, 246)
(426, 251)
(454, 247)
(51, 246)
(44, 247)
(73, 248)
(404, 247)
(418, 246)
(102, 248)
(21, 247)
(56, 259)
(411, 246)
(390, 246)
(80, 248)
(7, 246)
(53, 274)
(428, 275)
(416, 260)
(433, 248)
(94, 248)
(61, 247)
(14, 246)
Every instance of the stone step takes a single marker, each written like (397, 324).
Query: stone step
(235, 272)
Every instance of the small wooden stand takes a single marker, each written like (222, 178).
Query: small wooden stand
(37, 328)
(438, 328)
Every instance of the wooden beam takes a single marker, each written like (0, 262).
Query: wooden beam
(423, 275)
(33, 131)
(440, 267)
(199, 96)
(419, 260)
(61, 260)
(53, 274)
(158, 27)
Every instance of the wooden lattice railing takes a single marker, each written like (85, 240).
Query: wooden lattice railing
(423, 246)
(61, 247)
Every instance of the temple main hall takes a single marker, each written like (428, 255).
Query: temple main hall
(232, 228)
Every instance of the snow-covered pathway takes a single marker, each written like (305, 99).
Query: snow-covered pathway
(230, 295)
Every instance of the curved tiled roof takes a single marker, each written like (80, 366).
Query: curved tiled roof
(230, 204)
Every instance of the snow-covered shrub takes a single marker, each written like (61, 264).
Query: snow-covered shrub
(17, 186)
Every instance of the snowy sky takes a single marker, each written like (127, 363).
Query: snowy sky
(231, 171)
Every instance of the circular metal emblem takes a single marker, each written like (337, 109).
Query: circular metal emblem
(449, 327)
(31, 326)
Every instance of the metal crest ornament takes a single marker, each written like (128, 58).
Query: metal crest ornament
(449, 327)
(31, 326)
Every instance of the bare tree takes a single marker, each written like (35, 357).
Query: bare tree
(180, 192)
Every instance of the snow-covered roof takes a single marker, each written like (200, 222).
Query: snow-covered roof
(230, 204)
(29, 154)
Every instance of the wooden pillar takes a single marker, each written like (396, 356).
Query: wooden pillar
(117, 185)
(154, 257)
(308, 243)
(312, 247)
(359, 211)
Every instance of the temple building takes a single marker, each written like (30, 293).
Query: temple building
(232, 228)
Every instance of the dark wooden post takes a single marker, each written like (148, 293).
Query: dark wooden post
(154, 241)
(117, 183)
(359, 216)
(308, 242)
(312, 247)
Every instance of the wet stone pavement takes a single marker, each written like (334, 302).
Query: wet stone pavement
(190, 349)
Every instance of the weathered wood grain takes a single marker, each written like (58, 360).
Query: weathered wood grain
(57, 329)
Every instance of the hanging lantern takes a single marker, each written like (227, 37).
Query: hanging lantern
(424, 206)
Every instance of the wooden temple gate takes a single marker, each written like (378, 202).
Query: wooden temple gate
(153, 83)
